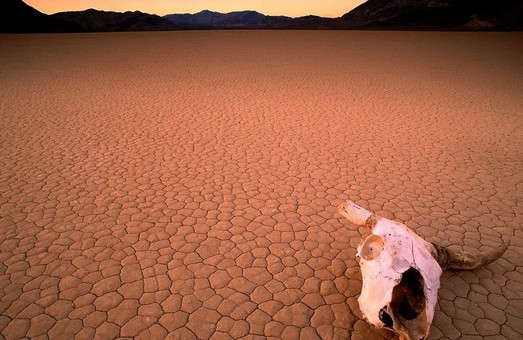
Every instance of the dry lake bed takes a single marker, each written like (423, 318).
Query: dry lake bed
(184, 185)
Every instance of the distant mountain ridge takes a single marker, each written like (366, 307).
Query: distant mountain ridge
(102, 21)
(436, 15)
(18, 17)
(242, 19)
(468, 15)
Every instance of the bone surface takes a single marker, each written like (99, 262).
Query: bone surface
(401, 272)
(400, 275)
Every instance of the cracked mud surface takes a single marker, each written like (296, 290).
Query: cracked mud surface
(184, 185)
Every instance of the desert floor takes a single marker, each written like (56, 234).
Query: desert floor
(185, 184)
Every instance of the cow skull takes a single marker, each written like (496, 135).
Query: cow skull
(401, 273)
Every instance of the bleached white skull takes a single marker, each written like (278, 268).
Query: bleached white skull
(401, 273)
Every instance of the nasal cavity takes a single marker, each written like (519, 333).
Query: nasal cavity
(385, 318)
(408, 297)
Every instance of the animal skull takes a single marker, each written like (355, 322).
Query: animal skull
(401, 273)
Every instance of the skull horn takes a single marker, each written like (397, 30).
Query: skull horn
(401, 273)
(463, 260)
(357, 214)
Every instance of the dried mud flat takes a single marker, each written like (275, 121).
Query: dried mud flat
(184, 184)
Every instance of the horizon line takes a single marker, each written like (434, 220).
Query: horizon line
(185, 13)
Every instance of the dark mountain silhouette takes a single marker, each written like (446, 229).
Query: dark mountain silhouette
(102, 21)
(242, 19)
(17, 17)
(436, 14)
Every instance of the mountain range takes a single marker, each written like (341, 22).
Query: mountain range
(437, 15)
(101, 21)
(18, 17)
(244, 20)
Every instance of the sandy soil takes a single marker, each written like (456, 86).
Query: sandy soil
(186, 183)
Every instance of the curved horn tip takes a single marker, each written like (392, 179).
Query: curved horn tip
(463, 260)
(354, 212)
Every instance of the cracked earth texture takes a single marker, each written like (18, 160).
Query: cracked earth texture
(184, 185)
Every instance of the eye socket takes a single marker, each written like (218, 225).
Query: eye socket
(372, 247)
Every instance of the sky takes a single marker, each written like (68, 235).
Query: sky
(292, 8)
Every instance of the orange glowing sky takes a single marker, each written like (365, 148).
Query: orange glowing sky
(292, 8)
